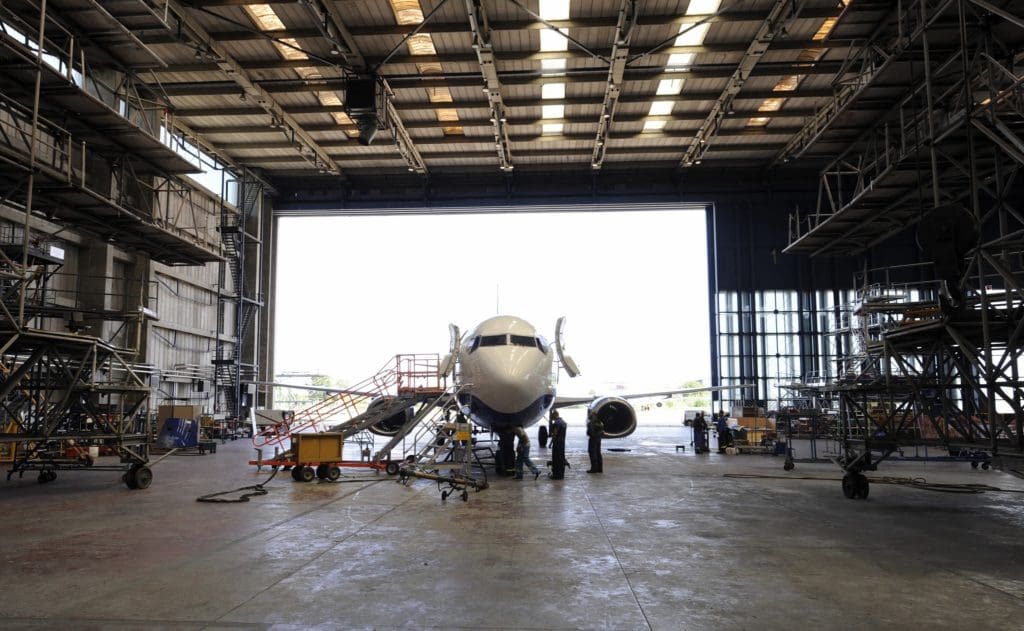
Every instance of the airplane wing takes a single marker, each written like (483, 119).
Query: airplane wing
(562, 402)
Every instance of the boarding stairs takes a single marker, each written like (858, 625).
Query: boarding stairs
(404, 382)
(447, 456)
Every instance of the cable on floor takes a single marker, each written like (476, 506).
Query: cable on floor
(257, 490)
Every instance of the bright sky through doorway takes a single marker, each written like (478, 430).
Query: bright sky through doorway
(352, 292)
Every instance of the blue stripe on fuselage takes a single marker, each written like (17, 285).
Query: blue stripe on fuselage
(496, 421)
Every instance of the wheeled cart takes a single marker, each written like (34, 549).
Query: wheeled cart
(319, 456)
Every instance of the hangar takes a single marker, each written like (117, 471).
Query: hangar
(856, 162)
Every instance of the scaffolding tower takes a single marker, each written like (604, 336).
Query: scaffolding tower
(940, 363)
(83, 149)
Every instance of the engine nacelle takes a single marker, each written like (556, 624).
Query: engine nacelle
(390, 424)
(617, 414)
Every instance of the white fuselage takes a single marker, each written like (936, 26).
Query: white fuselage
(505, 374)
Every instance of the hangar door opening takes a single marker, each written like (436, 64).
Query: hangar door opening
(354, 290)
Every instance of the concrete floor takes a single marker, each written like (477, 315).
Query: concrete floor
(660, 541)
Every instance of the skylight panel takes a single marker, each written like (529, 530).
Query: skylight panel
(661, 108)
(421, 44)
(702, 7)
(265, 17)
(551, 40)
(653, 125)
(552, 129)
(267, 20)
(552, 91)
(554, 9)
(407, 11)
(692, 35)
(553, 111)
(669, 87)
(550, 66)
(787, 84)
(679, 61)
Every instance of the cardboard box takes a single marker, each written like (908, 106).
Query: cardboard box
(756, 422)
(184, 412)
(318, 448)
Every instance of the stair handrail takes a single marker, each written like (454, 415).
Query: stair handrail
(384, 383)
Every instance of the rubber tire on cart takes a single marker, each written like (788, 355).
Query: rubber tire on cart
(465, 496)
(46, 475)
(321, 472)
(391, 468)
(297, 474)
(444, 495)
(788, 466)
(306, 474)
(985, 466)
(861, 487)
(142, 475)
(849, 486)
(974, 464)
(333, 472)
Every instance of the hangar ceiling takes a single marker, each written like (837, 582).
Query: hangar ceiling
(496, 86)
(336, 98)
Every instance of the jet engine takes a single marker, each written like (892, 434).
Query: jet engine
(391, 422)
(617, 415)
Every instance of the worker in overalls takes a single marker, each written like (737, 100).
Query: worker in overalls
(558, 428)
(595, 432)
(700, 434)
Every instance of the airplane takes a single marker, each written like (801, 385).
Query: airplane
(503, 376)
(504, 379)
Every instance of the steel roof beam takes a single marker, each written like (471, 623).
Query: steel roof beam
(413, 82)
(270, 144)
(260, 65)
(616, 72)
(301, 34)
(303, 141)
(485, 154)
(664, 19)
(441, 27)
(685, 97)
(535, 120)
(781, 12)
(492, 84)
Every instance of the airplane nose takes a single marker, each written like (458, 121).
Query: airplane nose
(517, 381)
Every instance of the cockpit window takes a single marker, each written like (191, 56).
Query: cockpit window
(504, 340)
(524, 340)
(487, 340)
